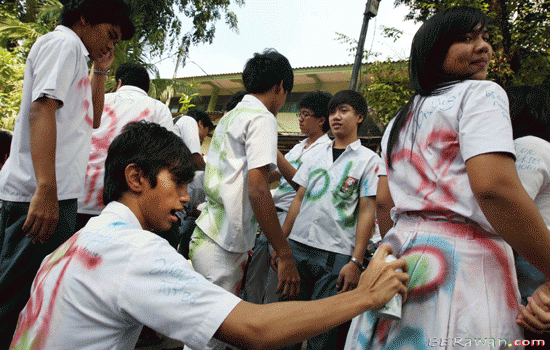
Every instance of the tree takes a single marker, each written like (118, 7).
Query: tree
(520, 36)
(387, 85)
(160, 27)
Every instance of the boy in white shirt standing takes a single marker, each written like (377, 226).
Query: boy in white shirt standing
(331, 218)
(129, 103)
(44, 176)
(242, 152)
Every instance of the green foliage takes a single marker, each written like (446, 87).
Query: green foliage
(388, 89)
(159, 28)
(520, 36)
(388, 86)
(185, 101)
(11, 86)
(164, 89)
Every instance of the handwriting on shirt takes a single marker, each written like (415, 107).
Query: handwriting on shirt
(527, 159)
(499, 101)
(175, 280)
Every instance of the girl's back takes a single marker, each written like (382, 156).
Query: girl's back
(428, 171)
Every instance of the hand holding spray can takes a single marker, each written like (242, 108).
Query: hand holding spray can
(392, 309)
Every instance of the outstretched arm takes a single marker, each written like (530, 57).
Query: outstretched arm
(287, 170)
(252, 326)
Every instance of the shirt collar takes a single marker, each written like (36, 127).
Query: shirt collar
(321, 139)
(354, 145)
(131, 88)
(70, 32)
(123, 212)
(255, 101)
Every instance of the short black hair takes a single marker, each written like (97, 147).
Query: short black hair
(5, 144)
(152, 148)
(263, 71)
(202, 117)
(317, 101)
(115, 12)
(530, 111)
(352, 98)
(234, 100)
(133, 74)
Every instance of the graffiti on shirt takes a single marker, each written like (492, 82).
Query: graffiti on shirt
(41, 305)
(344, 196)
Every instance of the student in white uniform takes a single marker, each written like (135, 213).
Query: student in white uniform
(99, 288)
(529, 115)
(43, 177)
(331, 218)
(452, 200)
(129, 103)
(313, 118)
(191, 211)
(242, 152)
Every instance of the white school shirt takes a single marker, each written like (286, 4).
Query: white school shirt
(100, 287)
(328, 214)
(470, 119)
(127, 104)
(533, 166)
(284, 193)
(56, 68)
(244, 139)
(188, 129)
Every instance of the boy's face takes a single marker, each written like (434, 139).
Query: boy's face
(344, 121)
(203, 131)
(158, 205)
(100, 39)
(309, 124)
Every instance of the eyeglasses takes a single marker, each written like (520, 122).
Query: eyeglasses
(304, 115)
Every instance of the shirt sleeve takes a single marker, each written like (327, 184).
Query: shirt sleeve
(164, 118)
(532, 164)
(162, 291)
(53, 69)
(484, 124)
(261, 142)
(369, 180)
(189, 132)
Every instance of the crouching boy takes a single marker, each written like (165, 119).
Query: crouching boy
(99, 288)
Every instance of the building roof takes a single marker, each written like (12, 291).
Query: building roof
(305, 79)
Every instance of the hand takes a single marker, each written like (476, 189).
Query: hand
(536, 316)
(380, 281)
(289, 279)
(104, 62)
(348, 277)
(43, 215)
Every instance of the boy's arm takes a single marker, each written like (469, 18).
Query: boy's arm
(350, 273)
(287, 170)
(97, 83)
(252, 326)
(43, 211)
(293, 211)
(384, 203)
(264, 210)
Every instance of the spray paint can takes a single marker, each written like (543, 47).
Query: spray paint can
(392, 309)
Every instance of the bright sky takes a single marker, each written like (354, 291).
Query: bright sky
(302, 30)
